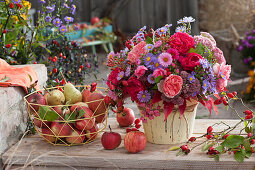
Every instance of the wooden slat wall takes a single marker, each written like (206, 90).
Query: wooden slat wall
(130, 15)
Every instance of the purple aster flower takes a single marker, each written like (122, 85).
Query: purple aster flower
(205, 85)
(16, 1)
(180, 29)
(161, 30)
(165, 59)
(158, 44)
(143, 29)
(191, 77)
(127, 73)
(63, 29)
(57, 22)
(42, 1)
(151, 79)
(147, 58)
(48, 19)
(73, 9)
(222, 75)
(154, 63)
(69, 19)
(168, 25)
(144, 96)
(149, 47)
(120, 75)
(66, 5)
(50, 8)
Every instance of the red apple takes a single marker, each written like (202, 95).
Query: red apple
(58, 110)
(87, 121)
(92, 133)
(48, 135)
(135, 141)
(110, 140)
(78, 105)
(41, 124)
(86, 94)
(94, 20)
(61, 129)
(36, 98)
(98, 107)
(126, 118)
(76, 137)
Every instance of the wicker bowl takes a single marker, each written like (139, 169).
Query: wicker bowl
(60, 127)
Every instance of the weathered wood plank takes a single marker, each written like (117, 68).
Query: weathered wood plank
(93, 155)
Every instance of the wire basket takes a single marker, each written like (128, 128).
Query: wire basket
(69, 124)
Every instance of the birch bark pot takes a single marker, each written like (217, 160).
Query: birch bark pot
(176, 129)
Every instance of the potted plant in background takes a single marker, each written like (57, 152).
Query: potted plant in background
(167, 75)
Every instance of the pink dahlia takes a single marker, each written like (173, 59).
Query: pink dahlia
(218, 54)
(165, 59)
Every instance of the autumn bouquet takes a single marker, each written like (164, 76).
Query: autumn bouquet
(172, 68)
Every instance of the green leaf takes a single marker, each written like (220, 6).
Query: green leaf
(5, 79)
(81, 113)
(220, 148)
(174, 148)
(148, 40)
(200, 49)
(247, 129)
(45, 113)
(207, 146)
(71, 117)
(217, 158)
(179, 153)
(155, 87)
(30, 78)
(239, 156)
(247, 145)
(157, 80)
(248, 154)
(233, 141)
(192, 50)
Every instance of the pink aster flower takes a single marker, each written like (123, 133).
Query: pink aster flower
(110, 55)
(165, 59)
(158, 44)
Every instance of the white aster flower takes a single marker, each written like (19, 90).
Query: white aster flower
(180, 29)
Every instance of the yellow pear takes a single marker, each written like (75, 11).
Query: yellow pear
(72, 94)
(55, 97)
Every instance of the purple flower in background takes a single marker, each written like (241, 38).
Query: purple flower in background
(240, 48)
(69, 19)
(247, 60)
(66, 5)
(42, 1)
(151, 79)
(50, 8)
(120, 75)
(73, 9)
(144, 96)
(16, 1)
(63, 29)
(149, 47)
(147, 58)
(48, 19)
(57, 22)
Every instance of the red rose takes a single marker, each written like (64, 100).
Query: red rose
(112, 79)
(182, 42)
(191, 61)
(133, 88)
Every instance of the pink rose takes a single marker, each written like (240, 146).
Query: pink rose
(182, 42)
(222, 72)
(190, 61)
(171, 86)
(140, 71)
(159, 72)
(137, 52)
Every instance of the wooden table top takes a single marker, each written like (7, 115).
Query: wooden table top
(33, 150)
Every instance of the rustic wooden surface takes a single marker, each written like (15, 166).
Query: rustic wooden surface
(34, 151)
